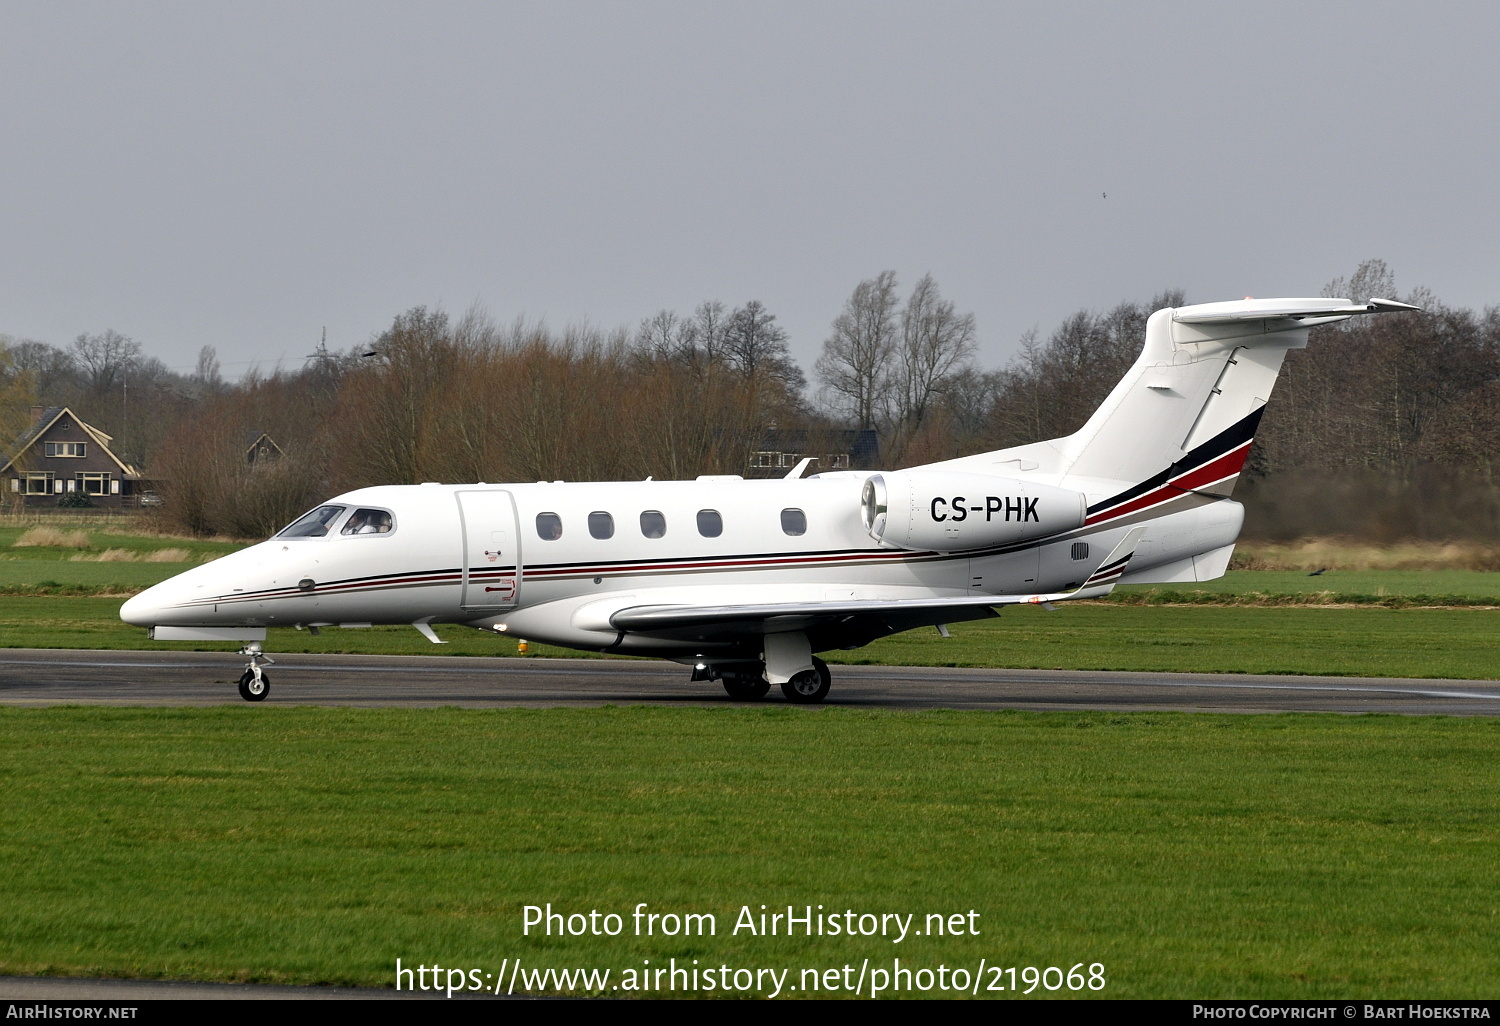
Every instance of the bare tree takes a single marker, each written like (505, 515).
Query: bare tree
(53, 371)
(853, 365)
(664, 336)
(105, 357)
(936, 343)
(707, 331)
(753, 340)
(207, 372)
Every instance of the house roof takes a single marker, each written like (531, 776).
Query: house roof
(50, 416)
(252, 439)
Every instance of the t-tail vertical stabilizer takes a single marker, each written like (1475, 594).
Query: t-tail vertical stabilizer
(1182, 418)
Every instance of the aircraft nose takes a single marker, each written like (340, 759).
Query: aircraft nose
(143, 610)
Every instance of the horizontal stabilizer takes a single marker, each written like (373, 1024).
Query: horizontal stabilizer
(1288, 309)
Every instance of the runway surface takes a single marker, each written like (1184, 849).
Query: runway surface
(40, 677)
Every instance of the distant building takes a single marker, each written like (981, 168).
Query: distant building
(261, 449)
(835, 449)
(61, 456)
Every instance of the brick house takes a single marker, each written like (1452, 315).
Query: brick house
(59, 456)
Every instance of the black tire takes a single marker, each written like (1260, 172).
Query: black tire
(248, 685)
(746, 689)
(810, 686)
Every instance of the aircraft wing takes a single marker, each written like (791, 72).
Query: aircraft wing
(791, 615)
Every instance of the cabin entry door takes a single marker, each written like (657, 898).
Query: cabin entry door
(491, 550)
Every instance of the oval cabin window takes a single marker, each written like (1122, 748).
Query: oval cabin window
(793, 522)
(548, 526)
(653, 524)
(710, 524)
(601, 525)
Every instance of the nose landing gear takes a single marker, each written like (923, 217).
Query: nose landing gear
(254, 683)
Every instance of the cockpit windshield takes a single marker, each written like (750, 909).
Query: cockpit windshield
(314, 524)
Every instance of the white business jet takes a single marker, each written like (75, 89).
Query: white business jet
(745, 580)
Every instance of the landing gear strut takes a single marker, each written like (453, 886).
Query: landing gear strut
(810, 686)
(254, 683)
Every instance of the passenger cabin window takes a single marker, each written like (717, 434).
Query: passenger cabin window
(601, 525)
(314, 524)
(710, 524)
(793, 522)
(653, 524)
(548, 526)
(368, 521)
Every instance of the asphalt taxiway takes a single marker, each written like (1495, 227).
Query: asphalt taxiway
(40, 677)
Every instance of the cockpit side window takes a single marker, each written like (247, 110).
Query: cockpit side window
(314, 524)
(369, 521)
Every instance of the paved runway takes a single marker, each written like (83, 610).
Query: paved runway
(60, 677)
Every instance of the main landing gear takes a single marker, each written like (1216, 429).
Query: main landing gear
(806, 688)
(254, 683)
(810, 686)
(745, 688)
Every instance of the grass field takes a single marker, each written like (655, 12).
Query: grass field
(1203, 856)
(1361, 641)
(1443, 585)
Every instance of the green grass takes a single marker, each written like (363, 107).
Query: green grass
(53, 571)
(20, 575)
(1468, 583)
(1193, 855)
(1364, 641)
(1395, 588)
(102, 538)
(1373, 641)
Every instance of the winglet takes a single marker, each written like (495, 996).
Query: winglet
(1103, 580)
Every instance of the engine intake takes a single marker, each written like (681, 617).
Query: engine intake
(946, 512)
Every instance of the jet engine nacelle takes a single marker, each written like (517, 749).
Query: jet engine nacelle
(947, 512)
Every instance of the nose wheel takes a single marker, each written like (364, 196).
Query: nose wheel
(255, 684)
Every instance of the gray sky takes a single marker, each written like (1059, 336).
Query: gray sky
(242, 174)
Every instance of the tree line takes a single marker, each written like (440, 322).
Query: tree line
(1397, 415)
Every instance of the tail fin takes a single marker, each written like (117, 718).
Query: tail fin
(1186, 412)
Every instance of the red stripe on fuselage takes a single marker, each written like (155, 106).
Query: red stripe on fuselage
(1209, 473)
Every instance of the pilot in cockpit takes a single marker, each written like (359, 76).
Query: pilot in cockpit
(368, 521)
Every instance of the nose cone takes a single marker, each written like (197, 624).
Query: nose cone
(145, 609)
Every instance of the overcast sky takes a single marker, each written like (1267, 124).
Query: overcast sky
(241, 175)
